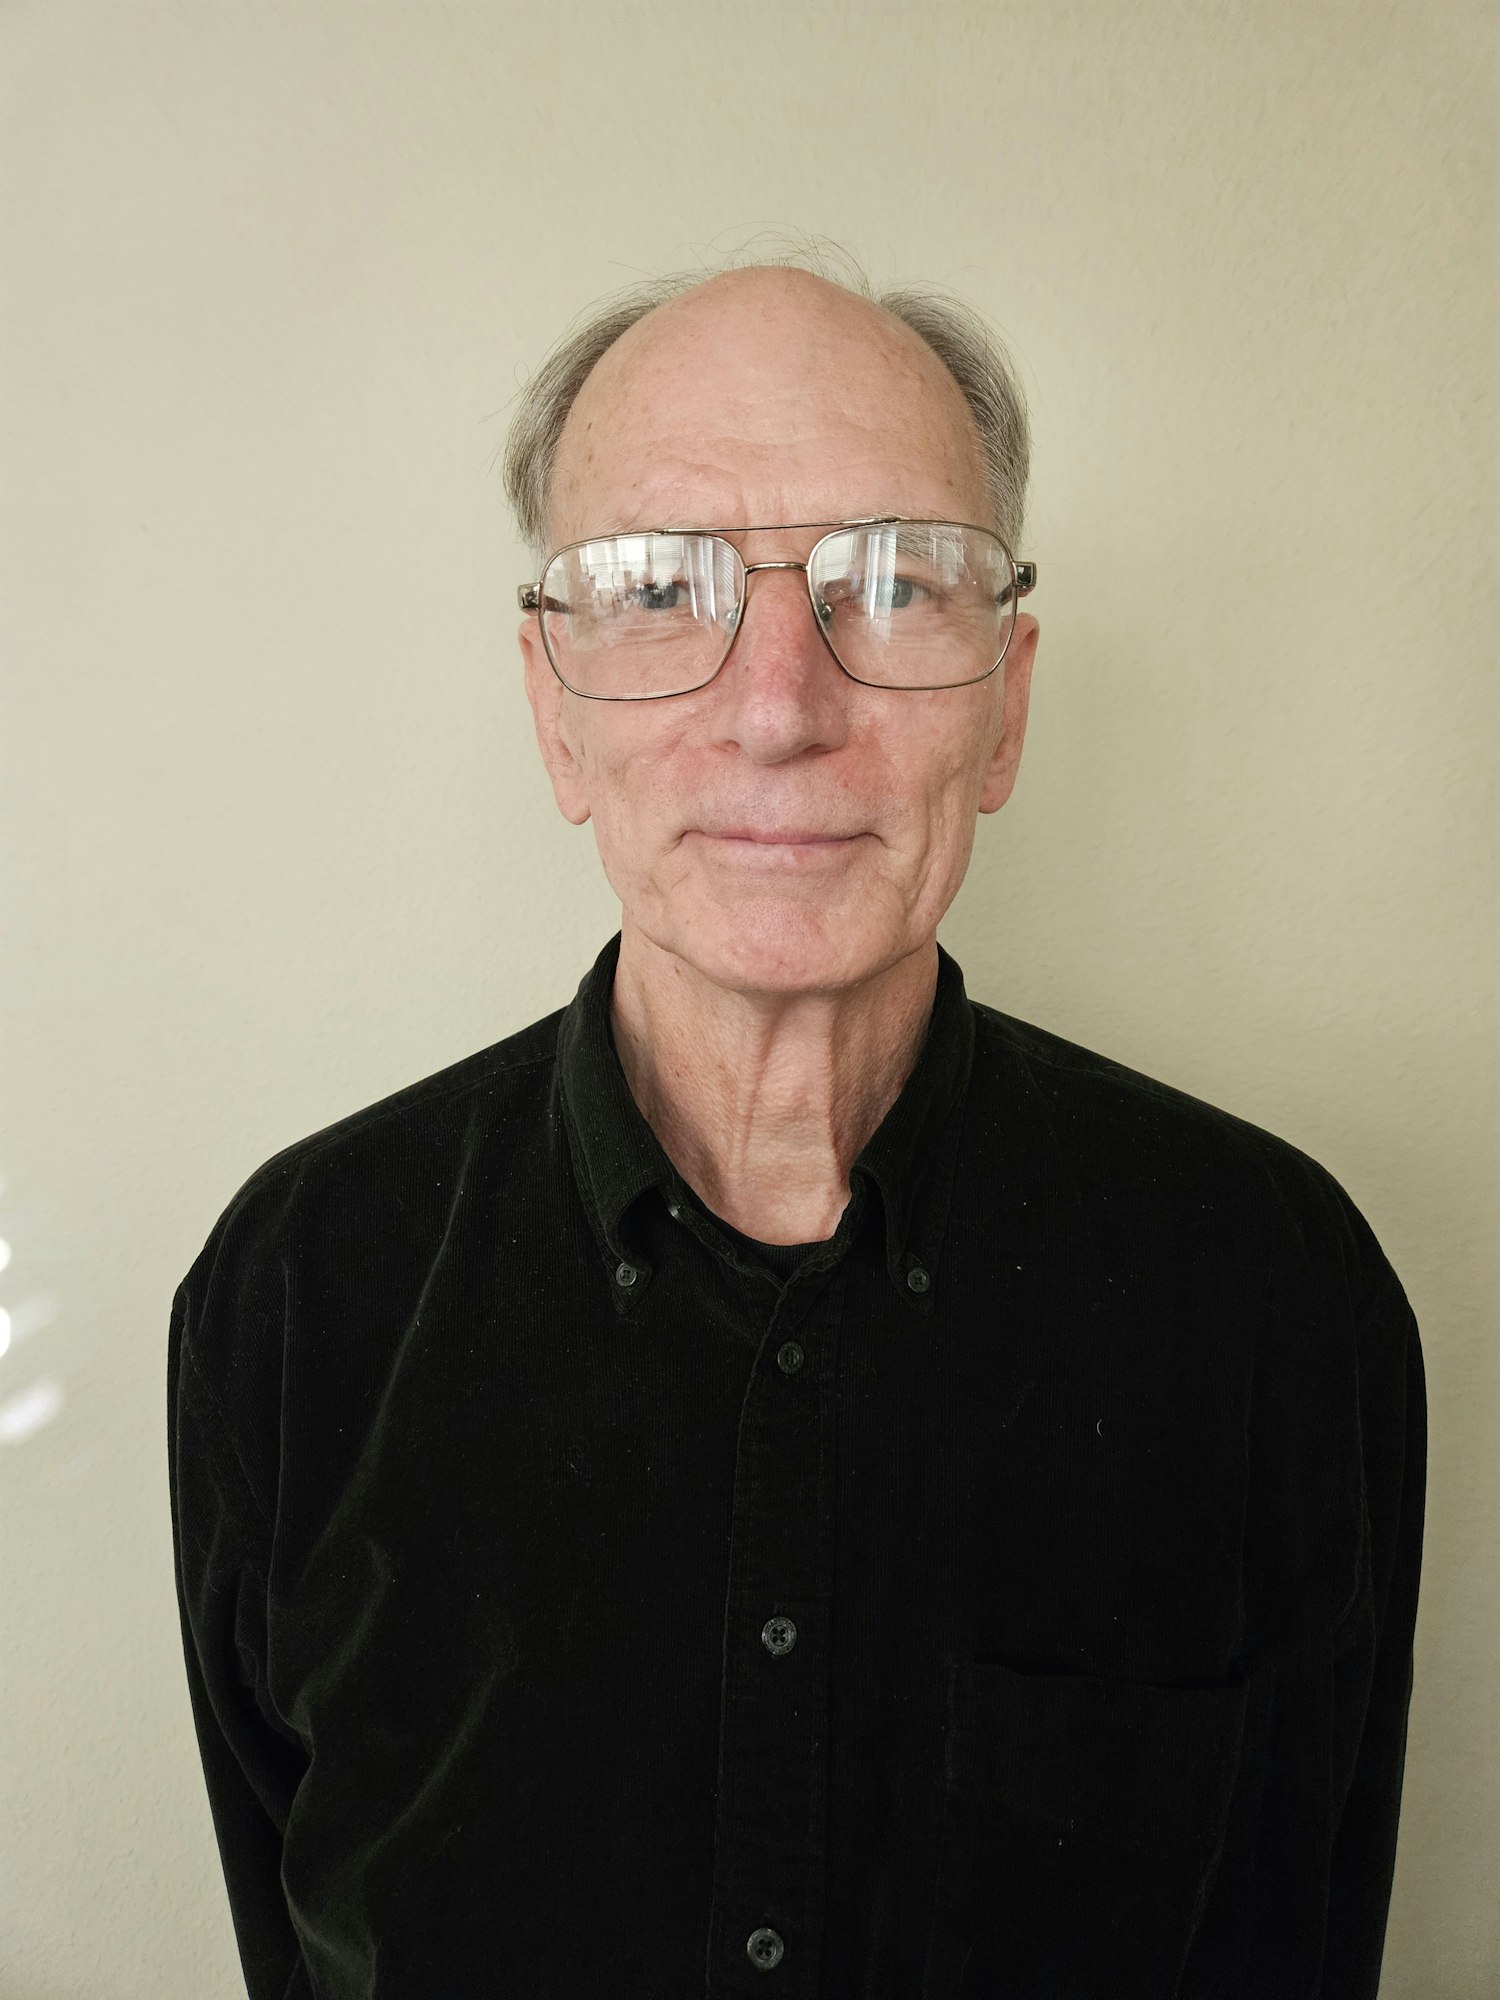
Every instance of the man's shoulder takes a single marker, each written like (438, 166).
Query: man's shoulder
(1121, 1128)
(1104, 1094)
(386, 1139)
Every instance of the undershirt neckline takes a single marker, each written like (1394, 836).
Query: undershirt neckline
(783, 1258)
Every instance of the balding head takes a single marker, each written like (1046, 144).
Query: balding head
(764, 393)
(946, 327)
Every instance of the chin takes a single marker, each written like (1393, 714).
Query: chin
(775, 946)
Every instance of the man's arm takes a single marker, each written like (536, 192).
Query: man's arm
(1393, 1421)
(251, 1768)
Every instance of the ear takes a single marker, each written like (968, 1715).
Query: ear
(1000, 776)
(548, 697)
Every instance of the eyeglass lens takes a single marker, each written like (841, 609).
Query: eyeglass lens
(919, 604)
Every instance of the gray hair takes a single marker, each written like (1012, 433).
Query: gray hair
(973, 354)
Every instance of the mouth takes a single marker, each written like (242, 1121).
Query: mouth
(787, 837)
(797, 848)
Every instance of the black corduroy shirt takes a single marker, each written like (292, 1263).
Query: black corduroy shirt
(1012, 1595)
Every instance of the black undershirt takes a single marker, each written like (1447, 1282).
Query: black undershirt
(783, 1258)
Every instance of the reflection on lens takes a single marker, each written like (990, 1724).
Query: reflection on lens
(916, 603)
(631, 616)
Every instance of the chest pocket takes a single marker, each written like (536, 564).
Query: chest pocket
(1082, 1819)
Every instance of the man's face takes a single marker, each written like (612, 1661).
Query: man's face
(768, 396)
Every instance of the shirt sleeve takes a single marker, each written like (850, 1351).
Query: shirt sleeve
(251, 1764)
(1373, 1663)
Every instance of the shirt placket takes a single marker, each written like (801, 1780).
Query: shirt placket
(768, 1894)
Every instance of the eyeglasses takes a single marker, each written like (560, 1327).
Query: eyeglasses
(899, 604)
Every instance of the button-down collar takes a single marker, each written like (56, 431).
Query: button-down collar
(910, 1158)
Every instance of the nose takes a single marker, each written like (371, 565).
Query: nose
(803, 594)
(782, 691)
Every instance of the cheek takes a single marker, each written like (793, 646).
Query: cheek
(960, 758)
(631, 792)
(932, 785)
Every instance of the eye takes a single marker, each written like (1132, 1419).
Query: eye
(657, 596)
(882, 595)
(901, 593)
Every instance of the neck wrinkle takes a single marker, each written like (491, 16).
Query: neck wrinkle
(764, 1109)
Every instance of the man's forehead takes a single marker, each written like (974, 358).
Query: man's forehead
(726, 366)
(727, 506)
(755, 429)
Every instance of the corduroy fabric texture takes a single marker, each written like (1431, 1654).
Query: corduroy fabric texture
(1015, 1598)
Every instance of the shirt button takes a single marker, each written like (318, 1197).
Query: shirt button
(626, 1274)
(778, 1635)
(674, 1209)
(917, 1279)
(764, 1947)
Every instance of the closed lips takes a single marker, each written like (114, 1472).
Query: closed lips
(794, 838)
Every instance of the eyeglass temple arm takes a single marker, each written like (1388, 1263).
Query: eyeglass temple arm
(528, 600)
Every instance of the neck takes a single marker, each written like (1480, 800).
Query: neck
(763, 1102)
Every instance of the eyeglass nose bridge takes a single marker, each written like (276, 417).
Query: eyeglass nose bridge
(749, 570)
(820, 612)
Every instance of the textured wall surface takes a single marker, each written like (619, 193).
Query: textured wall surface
(278, 840)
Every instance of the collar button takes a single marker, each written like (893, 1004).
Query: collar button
(626, 1274)
(917, 1280)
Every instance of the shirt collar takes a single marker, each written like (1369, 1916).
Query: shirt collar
(910, 1158)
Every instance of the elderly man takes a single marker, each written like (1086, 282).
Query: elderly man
(781, 1478)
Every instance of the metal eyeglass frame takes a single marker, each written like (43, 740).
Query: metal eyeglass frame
(528, 598)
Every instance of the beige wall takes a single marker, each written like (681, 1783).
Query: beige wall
(278, 840)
